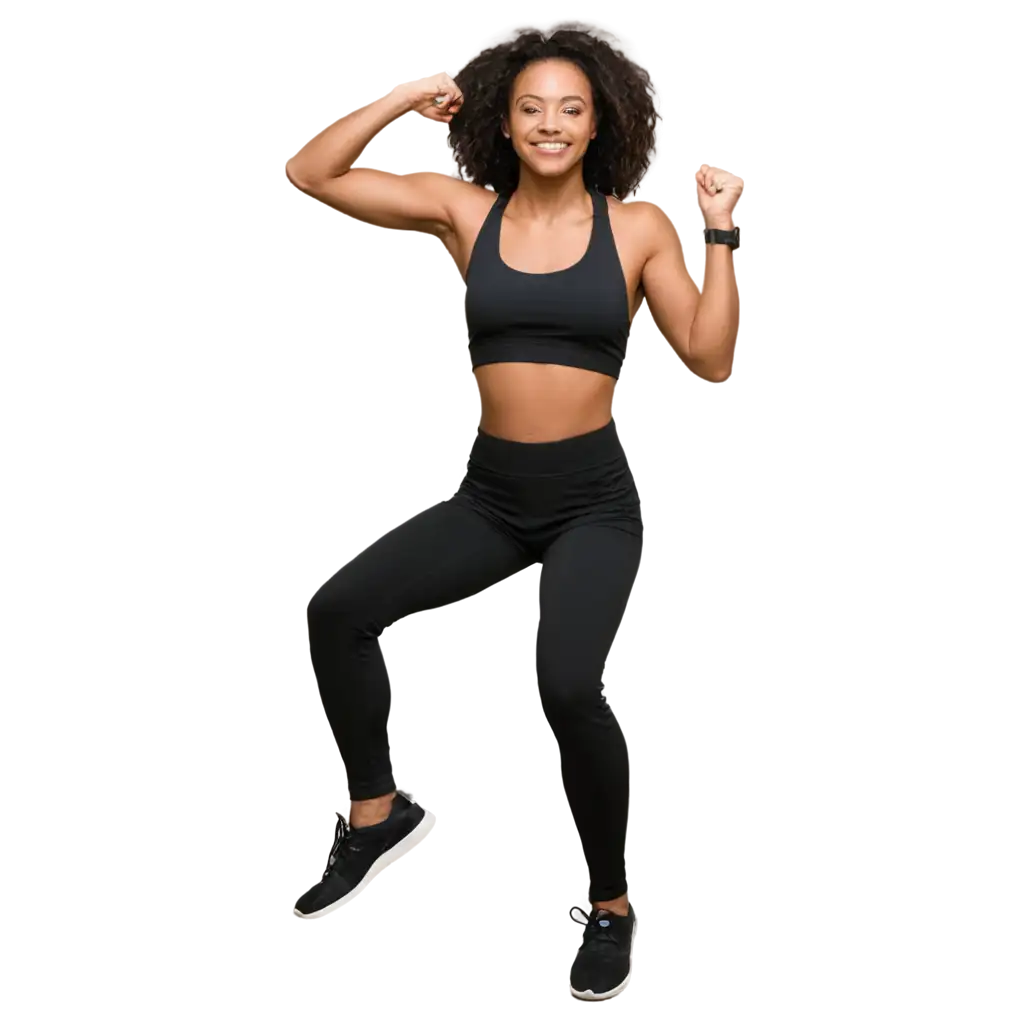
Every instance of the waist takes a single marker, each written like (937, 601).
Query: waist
(543, 458)
(541, 401)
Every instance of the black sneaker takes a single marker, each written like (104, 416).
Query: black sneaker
(604, 961)
(359, 854)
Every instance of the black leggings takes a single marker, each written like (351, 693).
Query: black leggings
(570, 504)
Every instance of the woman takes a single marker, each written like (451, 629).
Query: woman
(555, 271)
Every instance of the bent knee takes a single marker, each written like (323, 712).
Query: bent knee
(340, 604)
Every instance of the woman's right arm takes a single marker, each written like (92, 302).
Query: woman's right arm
(408, 202)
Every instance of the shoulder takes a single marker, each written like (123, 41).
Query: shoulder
(646, 221)
(467, 193)
(466, 202)
(642, 213)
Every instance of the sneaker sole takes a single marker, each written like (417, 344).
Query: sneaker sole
(386, 858)
(590, 994)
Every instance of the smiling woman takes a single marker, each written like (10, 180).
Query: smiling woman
(610, 91)
(552, 130)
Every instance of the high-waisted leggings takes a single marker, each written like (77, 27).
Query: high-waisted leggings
(569, 504)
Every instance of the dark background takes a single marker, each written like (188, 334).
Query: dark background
(210, 392)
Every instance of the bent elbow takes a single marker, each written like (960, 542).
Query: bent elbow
(717, 372)
(292, 178)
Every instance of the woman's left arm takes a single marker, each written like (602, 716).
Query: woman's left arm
(700, 326)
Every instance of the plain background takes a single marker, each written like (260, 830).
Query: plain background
(209, 393)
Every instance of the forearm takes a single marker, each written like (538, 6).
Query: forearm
(716, 323)
(336, 148)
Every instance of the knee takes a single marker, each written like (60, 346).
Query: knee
(569, 689)
(341, 604)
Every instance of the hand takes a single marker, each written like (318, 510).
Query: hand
(420, 96)
(717, 194)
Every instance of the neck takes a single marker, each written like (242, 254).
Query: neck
(551, 199)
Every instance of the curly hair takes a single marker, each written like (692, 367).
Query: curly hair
(619, 155)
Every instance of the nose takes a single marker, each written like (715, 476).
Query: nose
(550, 123)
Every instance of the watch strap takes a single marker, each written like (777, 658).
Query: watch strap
(717, 237)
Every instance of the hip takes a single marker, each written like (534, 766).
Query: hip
(584, 478)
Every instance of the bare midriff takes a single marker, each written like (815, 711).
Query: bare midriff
(542, 401)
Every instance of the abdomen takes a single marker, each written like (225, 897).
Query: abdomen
(542, 401)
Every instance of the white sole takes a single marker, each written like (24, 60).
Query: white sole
(386, 858)
(590, 994)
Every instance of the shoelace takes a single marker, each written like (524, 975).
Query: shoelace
(594, 932)
(343, 840)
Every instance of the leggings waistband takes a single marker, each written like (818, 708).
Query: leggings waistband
(529, 458)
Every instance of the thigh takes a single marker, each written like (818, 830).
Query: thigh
(585, 583)
(443, 554)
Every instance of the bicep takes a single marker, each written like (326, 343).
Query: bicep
(671, 293)
(405, 202)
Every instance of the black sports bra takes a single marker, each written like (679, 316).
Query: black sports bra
(578, 316)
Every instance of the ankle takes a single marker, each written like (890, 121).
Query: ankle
(371, 812)
(620, 906)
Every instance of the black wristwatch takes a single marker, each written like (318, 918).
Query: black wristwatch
(717, 235)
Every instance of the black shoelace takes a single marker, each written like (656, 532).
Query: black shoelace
(343, 842)
(594, 932)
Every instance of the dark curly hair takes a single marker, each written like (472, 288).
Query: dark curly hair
(618, 156)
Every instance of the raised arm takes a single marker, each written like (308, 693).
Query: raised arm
(675, 301)
(408, 202)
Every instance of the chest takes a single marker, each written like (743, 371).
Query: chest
(542, 249)
(591, 268)
(536, 249)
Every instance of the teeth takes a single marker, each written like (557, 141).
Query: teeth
(551, 145)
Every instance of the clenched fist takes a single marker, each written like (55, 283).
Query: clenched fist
(431, 94)
(719, 189)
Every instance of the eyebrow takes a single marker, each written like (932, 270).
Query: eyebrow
(534, 96)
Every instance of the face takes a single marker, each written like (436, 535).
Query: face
(550, 101)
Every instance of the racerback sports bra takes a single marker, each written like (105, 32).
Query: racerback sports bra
(578, 316)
